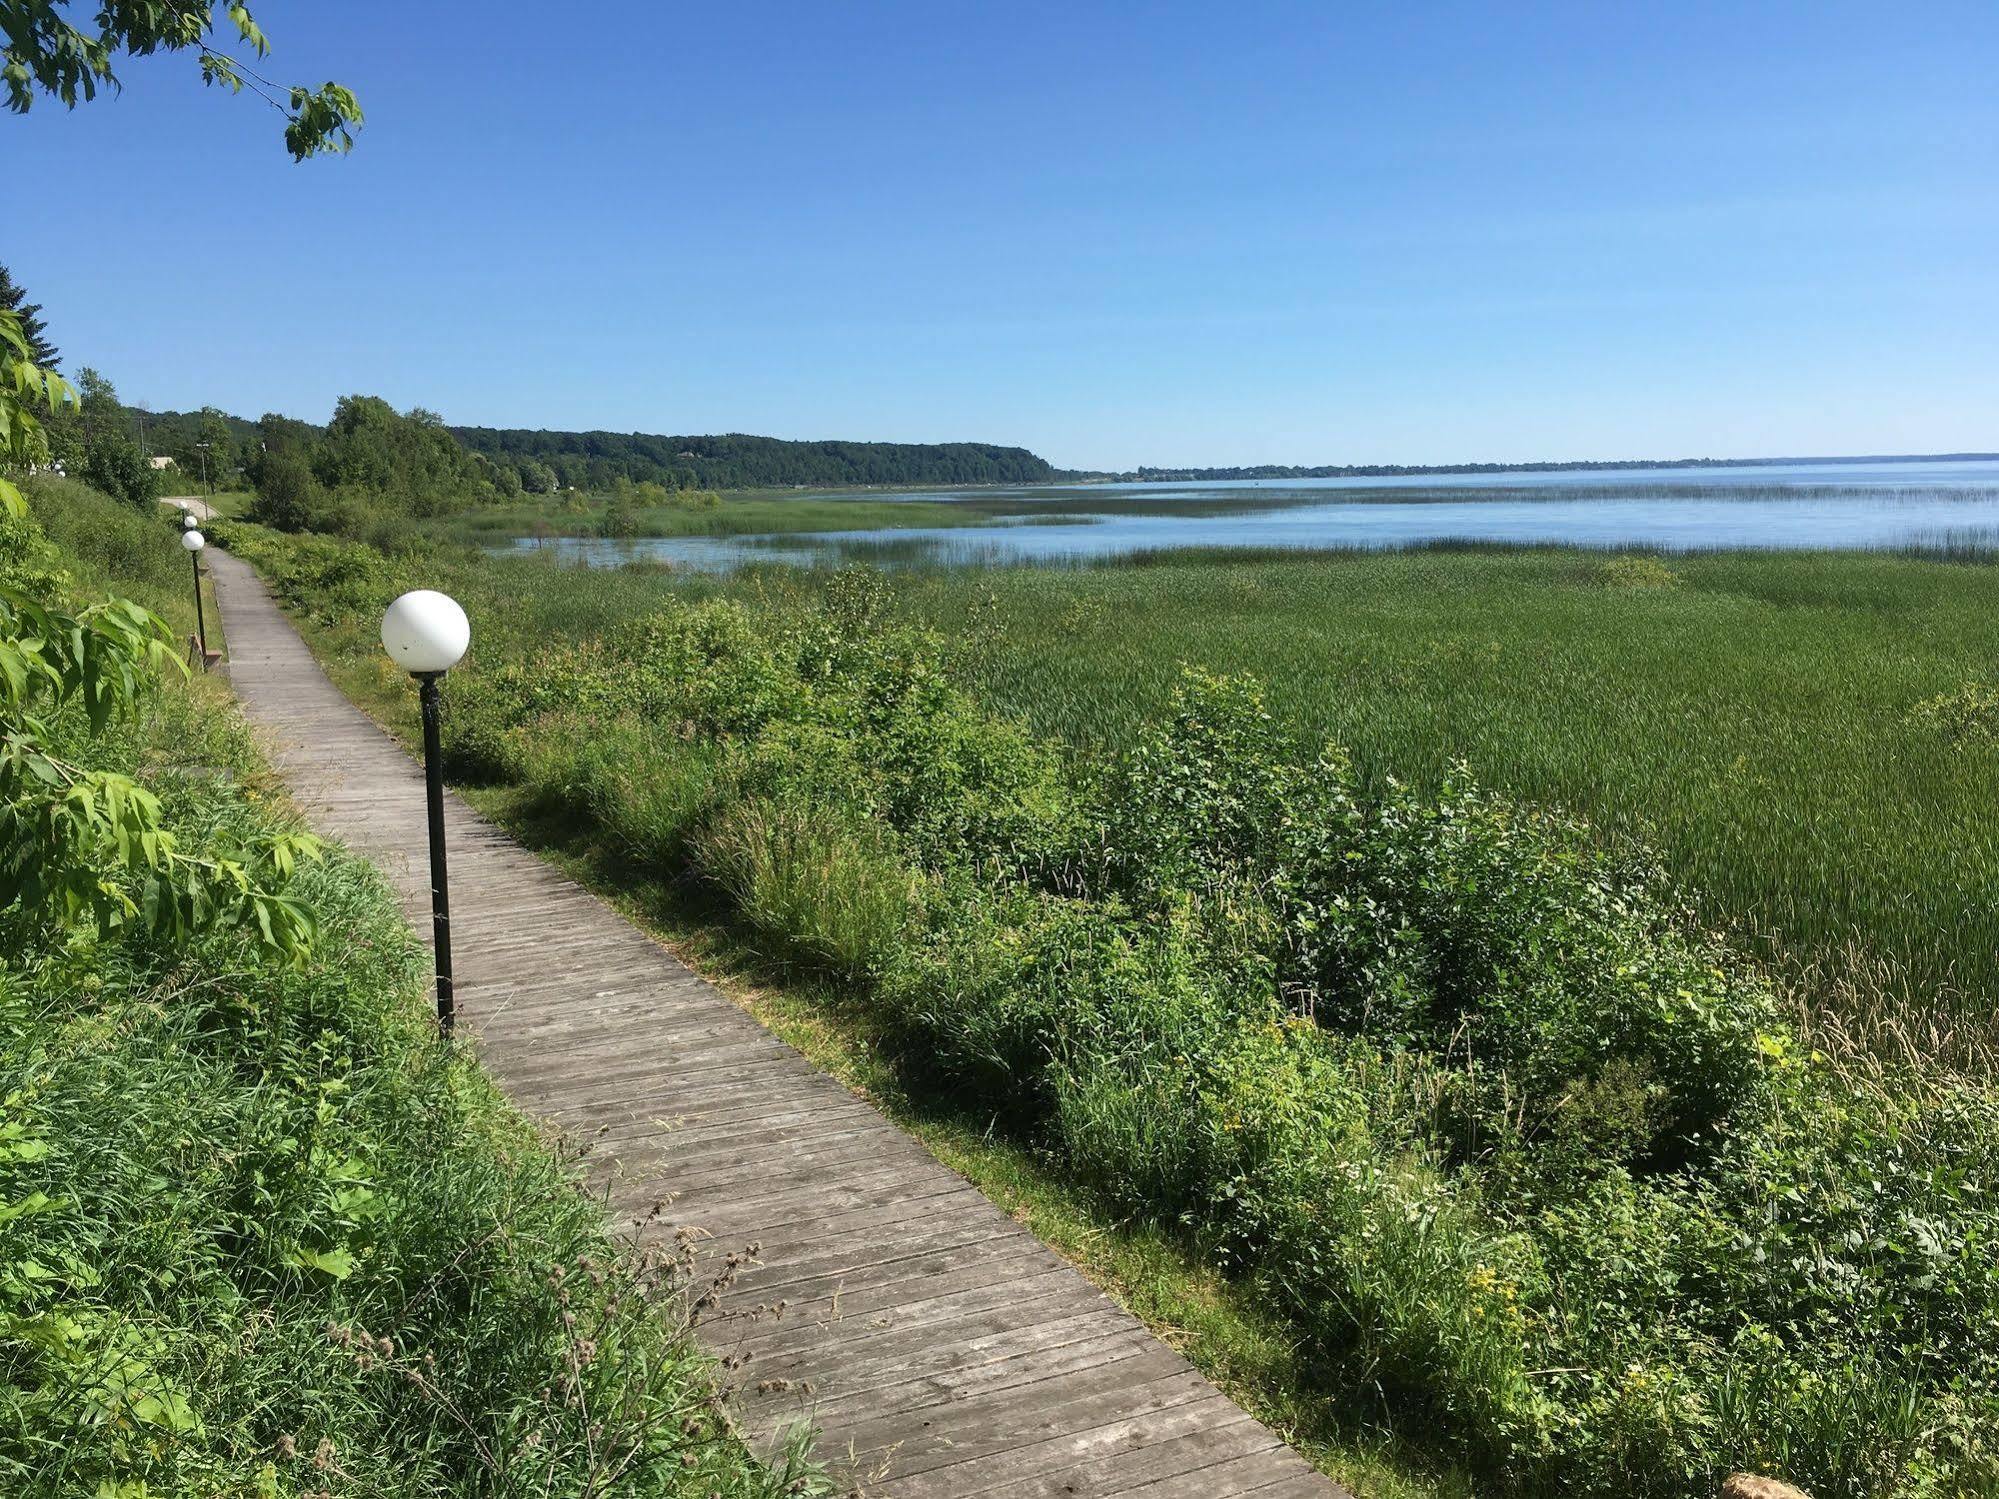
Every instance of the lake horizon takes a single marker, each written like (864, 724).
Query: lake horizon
(1925, 505)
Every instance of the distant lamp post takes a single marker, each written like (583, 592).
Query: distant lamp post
(194, 541)
(425, 633)
(204, 469)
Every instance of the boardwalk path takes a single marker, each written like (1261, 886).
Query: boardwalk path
(940, 1348)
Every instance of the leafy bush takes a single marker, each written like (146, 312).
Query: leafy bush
(368, 474)
(114, 465)
(289, 496)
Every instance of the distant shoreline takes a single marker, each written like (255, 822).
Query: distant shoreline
(1418, 470)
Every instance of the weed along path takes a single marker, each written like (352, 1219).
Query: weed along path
(940, 1348)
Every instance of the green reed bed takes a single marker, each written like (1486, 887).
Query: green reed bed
(733, 514)
(261, 1232)
(1527, 1160)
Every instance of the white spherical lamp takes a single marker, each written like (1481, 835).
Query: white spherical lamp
(425, 631)
(188, 521)
(194, 541)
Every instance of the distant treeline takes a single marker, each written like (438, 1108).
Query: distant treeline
(596, 460)
(1403, 470)
(177, 433)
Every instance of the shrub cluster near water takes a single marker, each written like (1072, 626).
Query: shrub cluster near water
(260, 1231)
(1527, 1158)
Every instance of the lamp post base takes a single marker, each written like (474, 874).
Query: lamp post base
(200, 615)
(440, 898)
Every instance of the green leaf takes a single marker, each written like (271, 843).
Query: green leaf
(337, 1263)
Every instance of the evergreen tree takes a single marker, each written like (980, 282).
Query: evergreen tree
(14, 299)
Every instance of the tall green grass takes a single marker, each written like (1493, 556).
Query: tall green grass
(735, 515)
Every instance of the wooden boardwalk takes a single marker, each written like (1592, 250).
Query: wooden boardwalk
(940, 1348)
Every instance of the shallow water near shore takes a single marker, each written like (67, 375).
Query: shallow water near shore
(1944, 505)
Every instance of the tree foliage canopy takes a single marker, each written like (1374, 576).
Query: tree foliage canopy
(26, 390)
(14, 299)
(47, 54)
(734, 460)
(85, 847)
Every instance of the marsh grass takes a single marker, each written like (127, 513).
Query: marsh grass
(1761, 722)
(738, 514)
(786, 511)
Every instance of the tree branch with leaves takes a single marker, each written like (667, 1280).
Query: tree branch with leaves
(47, 54)
(26, 390)
(86, 849)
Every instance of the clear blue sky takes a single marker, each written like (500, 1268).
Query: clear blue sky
(1115, 234)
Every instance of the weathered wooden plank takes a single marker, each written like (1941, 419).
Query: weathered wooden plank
(1195, 1460)
(860, 1309)
(918, 1353)
(924, 1237)
(1033, 1430)
(929, 1379)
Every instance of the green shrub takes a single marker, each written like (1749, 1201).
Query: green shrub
(113, 465)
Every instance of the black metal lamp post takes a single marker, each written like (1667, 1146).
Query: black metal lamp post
(426, 634)
(194, 541)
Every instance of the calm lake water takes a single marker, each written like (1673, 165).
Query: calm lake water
(1870, 506)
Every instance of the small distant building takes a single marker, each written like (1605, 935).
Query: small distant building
(161, 461)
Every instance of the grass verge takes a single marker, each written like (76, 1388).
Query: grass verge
(261, 1231)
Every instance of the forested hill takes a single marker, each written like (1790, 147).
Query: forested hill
(593, 460)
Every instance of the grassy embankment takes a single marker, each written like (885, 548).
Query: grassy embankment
(1496, 1148)
(260, 1232)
